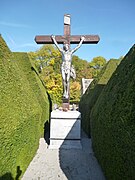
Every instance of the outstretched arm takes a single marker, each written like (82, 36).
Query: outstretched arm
(55, 42)
(79, 45)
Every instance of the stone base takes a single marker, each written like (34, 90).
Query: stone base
(65, 144)
(65, 130)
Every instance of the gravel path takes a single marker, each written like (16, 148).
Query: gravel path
(64, 164)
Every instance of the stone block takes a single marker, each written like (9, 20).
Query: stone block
(65, 129)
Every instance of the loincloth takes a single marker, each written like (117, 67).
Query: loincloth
(65, 67)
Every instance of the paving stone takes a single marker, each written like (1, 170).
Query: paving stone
(64, 164)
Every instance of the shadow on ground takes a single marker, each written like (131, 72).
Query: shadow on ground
(9, 176)
(80, 164)
(47, 132)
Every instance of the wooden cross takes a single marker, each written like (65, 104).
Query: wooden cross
(67, 38)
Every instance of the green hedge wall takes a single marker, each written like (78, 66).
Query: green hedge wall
(24, 110)
(90, 97)
(113, 122)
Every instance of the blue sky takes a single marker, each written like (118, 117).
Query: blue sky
(112, 20)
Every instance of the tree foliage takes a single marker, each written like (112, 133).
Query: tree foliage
(82, 68)
(24, 110)
(97, 64)
(113, 122)
(48, 60)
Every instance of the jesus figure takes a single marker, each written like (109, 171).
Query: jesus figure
(67, 70)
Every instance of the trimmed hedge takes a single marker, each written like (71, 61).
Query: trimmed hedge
(23, 112)
(113, 122)
(90, 97)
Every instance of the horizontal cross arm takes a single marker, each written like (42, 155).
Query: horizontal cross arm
(89, 39)
(46, 39)
(74, 39)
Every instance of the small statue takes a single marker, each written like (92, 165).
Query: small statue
(67, 69)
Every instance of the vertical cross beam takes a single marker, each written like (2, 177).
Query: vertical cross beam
(67, 29)
(67, 41)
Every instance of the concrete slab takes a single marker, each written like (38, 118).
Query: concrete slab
(68, 114)
(65, 128)
(65, 144)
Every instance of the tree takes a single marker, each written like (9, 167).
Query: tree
(46, 56)
(75, 91)
(48, 61)
(83, 70)
(97, 64)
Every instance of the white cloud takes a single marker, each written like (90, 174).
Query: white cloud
(28, 45)
(19, 47)
(12, 40)
(17, 25)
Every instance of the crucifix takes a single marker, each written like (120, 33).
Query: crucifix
(67, 69)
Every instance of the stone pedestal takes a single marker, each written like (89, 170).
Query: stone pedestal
(65, 130)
